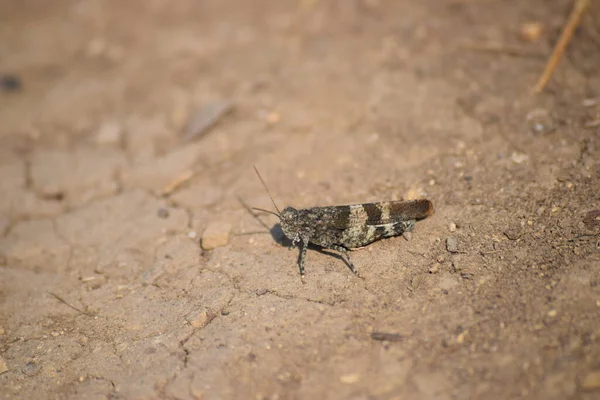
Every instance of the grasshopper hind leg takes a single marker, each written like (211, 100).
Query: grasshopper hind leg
(398, 228)
(345, 253)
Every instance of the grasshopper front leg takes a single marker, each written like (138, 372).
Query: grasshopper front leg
(303, 247)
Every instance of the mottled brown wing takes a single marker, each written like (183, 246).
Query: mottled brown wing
(376, 214)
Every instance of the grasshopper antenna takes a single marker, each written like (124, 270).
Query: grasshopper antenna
(267, 211)
(269, 193)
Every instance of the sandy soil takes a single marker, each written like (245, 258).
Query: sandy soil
(105, 291)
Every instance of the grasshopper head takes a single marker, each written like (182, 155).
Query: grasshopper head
(290, 225)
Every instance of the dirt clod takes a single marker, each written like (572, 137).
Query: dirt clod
(591, 381)
(350, 378)
(592, 220)
(31, 369)
(216, 235)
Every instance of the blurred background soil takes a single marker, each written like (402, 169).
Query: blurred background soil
(129, 131)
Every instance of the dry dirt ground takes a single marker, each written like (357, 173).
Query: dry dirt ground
(105, 291)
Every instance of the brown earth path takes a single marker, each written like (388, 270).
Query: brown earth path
(106, 293)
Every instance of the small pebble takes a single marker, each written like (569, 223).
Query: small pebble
(350, 378)
(407, 236)
(192, 234)
(452, 244)
(199, 318)
(435, 269)
(262, 291)
(216, 235)
(452, 227)
(552, 313)
(531, 31)
(163, 213)
(460, 339)
(273, 117)
(519, 158)
(3, 366)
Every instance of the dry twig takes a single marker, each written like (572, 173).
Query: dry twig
(572, 23)
(57, 297)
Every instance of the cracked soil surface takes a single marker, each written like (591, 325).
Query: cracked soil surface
(105, 292)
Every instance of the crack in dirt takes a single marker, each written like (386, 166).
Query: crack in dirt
(234, 282)
(182, 342)
(116, 351)
(292, 297)
(60, 236)
(238, 288)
